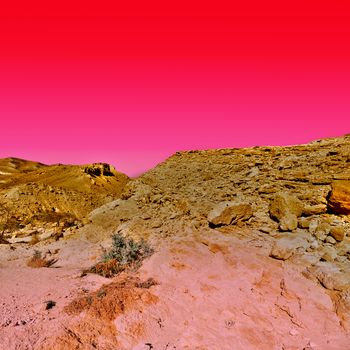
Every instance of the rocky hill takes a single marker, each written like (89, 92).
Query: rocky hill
(38, 200)
(269, 189)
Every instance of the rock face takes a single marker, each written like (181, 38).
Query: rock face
(286, 209)
(227, 213)
(339, 200)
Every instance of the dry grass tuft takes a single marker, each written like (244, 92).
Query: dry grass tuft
(37, 261)
(107, 268)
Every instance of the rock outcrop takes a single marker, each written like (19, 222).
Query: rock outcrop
(286, 209)
(227, 213)
(339, 200)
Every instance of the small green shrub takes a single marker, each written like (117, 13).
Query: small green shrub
(124, 253)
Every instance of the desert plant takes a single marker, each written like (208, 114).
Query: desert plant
(37, 260)
(124, 253)
(127, 251)
(106, 268)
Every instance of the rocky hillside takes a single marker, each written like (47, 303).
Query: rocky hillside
(38, 201)
(294, 200)
(269, 189)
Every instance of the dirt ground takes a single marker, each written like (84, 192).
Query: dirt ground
(207, 293)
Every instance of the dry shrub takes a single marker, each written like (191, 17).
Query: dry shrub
(37, 261)
(113, 299)
(35, 239)
(107, 269)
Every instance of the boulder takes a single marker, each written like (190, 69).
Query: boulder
(227, 213)
(286, 209)
(285, 246)
(339, 198)
(338, 233)
(322, 230)
(304, 222)
(313, 225)
(309, 210)
(330, 240)
(328, 253)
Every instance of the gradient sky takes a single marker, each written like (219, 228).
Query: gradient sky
(130, 83)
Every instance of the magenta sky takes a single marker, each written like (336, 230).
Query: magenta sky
(132, 85)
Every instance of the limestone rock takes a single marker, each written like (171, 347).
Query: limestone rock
(313, 225)
(328, 253)
(285, 246)
(48, 234)
(286, 209)
(331, 276)
(338, 233)
(343, 248)
(339, 199)
(330, 240)
(227, 213)
(309, 210)
(322, 230)
(27, 239)
(304, 222)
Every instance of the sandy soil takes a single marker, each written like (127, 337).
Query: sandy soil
(211, 293)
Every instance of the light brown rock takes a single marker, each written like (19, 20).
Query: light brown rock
(328, 253)
(286, 209)
(285, 246)
(338, 233)
(304, 222)
(227, 213)
(322, 230)
(339, 199)
(309, 210)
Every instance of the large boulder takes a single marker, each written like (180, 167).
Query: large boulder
(286, 209)
(228, 213)
(339, 198)
(338, 233)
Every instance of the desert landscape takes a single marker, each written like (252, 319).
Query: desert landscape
(242, 249)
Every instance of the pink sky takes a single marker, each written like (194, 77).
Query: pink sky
(132, 87)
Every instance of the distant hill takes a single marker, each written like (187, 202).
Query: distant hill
(34, 194)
